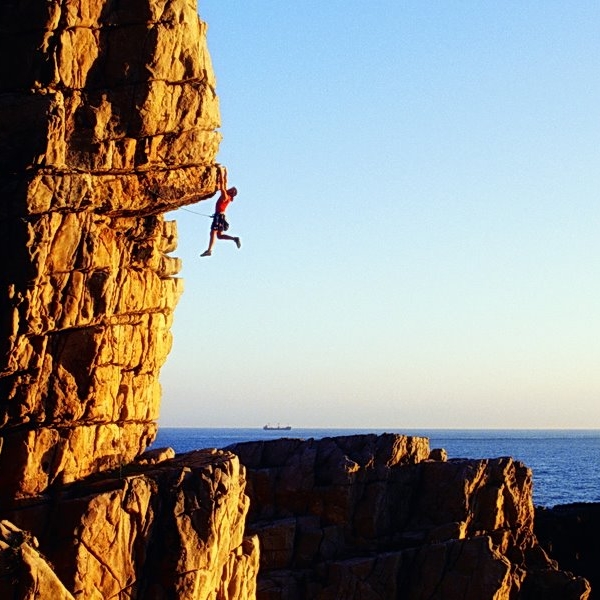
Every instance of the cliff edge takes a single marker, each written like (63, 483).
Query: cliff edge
(108, 118)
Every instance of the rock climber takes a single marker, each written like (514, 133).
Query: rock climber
(219, 222)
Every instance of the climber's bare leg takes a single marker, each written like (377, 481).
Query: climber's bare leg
(224, 236)
(211, 242)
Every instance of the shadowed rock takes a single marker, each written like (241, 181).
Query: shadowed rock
(570, 534)
(375, 517)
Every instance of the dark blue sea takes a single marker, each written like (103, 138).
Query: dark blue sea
(565, 463)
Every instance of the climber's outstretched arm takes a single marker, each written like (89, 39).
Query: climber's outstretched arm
(223, 180)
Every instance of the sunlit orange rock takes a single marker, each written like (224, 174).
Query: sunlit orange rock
(108, 119)
(173, 529)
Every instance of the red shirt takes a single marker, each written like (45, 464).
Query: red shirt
(223, 203)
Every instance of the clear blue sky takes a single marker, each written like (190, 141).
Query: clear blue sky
(419, 188)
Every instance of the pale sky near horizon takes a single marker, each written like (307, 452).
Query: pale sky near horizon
(418, 207)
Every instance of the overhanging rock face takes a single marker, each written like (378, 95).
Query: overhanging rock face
(108, 118)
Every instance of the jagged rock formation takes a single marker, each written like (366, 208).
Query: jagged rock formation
(570, 534)
(108, 118)
(373, 517)
(170, 530)
(24, 573)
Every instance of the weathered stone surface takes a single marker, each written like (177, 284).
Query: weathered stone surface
(108, 118)
(174, 529)
(24, 573)
(375, 517)
(468, 569)
(99, 85)
(111, 193)
(34, 460)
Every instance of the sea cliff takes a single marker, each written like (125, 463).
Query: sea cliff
(108, 119)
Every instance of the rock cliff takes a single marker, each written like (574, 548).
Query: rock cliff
(174, 529)
(108, 118)
(374, 517)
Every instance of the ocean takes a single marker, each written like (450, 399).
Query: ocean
(565, 463)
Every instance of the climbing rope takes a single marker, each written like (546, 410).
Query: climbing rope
(221, 178)
(196, 213)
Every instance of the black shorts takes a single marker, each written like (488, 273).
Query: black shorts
(219, 223)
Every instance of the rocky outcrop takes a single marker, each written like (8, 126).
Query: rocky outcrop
(174, 529)
(108, 118)
(24, 573)
(375, 517)
(570, 534)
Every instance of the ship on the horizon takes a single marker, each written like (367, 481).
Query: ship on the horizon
(278, 427)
